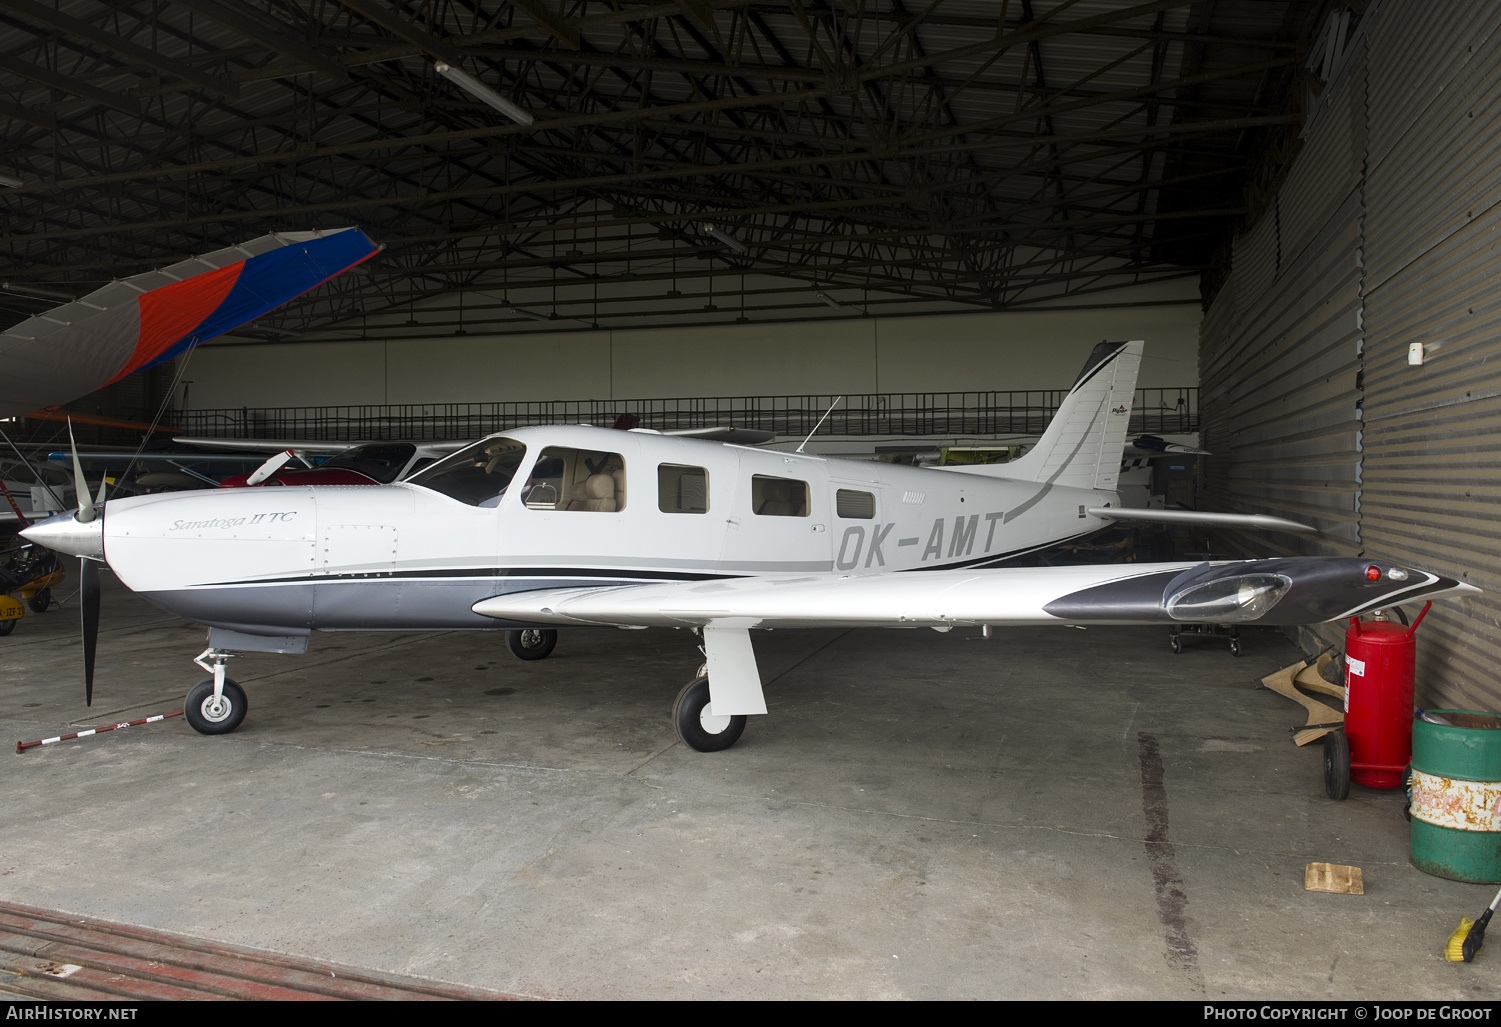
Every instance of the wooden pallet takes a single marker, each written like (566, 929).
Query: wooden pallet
(45, 954)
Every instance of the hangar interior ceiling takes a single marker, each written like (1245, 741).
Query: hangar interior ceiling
(853, 157)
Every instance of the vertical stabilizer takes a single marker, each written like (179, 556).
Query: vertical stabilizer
(1083, 444)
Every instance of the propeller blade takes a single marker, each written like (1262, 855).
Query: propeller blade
(88, 591)
(85, 512)
(99, 500)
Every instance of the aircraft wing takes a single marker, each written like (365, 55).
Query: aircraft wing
(1264, 522)
(1298, 590)
(140, 321)
(268, 445)
(115, 456)
(311, 446)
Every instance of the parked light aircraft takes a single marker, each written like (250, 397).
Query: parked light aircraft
(548, 527)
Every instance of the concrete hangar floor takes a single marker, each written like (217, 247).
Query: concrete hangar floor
(1051, 814)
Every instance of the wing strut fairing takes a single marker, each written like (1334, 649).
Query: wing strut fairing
(734, 678)
(141, 321)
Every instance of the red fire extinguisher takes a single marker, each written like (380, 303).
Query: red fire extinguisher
(1376, 744)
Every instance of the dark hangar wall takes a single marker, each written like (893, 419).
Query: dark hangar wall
(1382, 234)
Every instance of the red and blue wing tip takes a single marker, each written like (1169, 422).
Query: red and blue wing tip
(177, 317)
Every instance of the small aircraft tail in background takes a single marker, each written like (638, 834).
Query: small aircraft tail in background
(1083, 443)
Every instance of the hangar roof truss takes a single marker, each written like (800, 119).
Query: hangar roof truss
(852, 156)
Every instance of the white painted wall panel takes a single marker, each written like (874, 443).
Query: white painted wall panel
(1040, 349)
(286, 375)
(575, 365)
(746, 360)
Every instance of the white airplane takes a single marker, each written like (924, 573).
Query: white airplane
(548, 527)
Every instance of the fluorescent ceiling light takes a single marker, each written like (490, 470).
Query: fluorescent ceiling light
(534, 315)
(474, 87)
(10, 181)
(724, 237)
(831, 301)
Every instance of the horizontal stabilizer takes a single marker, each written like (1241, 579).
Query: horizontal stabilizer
(1263, 522)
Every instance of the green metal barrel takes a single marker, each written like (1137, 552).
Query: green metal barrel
(1456, 795)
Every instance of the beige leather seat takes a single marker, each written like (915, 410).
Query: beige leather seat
(596, 492)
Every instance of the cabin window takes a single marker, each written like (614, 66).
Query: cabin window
(576, 479)
(682, 489)
(478, 475)
(855, 505)
(778, 497)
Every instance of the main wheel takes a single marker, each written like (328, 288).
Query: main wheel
(532, 643)
(1337, 765)
(697, 723)
(40, 601)
(1235, 647)
(7, 626)
(1177, 644)
(200, 712)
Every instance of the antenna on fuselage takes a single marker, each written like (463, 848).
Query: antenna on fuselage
(821, 420)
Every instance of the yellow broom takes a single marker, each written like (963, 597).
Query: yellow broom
(1469, 935)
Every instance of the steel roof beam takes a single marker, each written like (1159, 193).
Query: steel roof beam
(50, 18)
(253, 26)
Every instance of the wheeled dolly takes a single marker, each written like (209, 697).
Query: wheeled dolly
(1230, 631)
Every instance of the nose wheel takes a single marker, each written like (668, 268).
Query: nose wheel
(216, 706)
(215, 715)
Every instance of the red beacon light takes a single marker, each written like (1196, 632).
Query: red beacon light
(1373, 573)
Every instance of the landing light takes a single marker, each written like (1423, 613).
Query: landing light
(1245, 597)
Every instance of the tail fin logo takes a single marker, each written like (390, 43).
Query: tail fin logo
(1119, 409)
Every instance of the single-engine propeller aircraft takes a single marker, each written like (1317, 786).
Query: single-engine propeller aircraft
(548, 527)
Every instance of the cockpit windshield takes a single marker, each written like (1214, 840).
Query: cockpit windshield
(477, 475)
(382, 461)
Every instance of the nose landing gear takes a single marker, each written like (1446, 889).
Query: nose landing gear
(216, 706)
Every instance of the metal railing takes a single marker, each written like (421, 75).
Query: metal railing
(903, 415)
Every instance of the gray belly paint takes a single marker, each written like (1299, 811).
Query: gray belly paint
(365, 604)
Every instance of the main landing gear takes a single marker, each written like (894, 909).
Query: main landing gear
(698, 725)
(216, 706)
(532, 643)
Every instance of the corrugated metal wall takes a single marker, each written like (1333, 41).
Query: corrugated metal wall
(1279, 379)
(1389, 233)
(1433, 440)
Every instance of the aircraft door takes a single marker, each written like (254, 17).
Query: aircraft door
(780, 517)
(582, 509)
